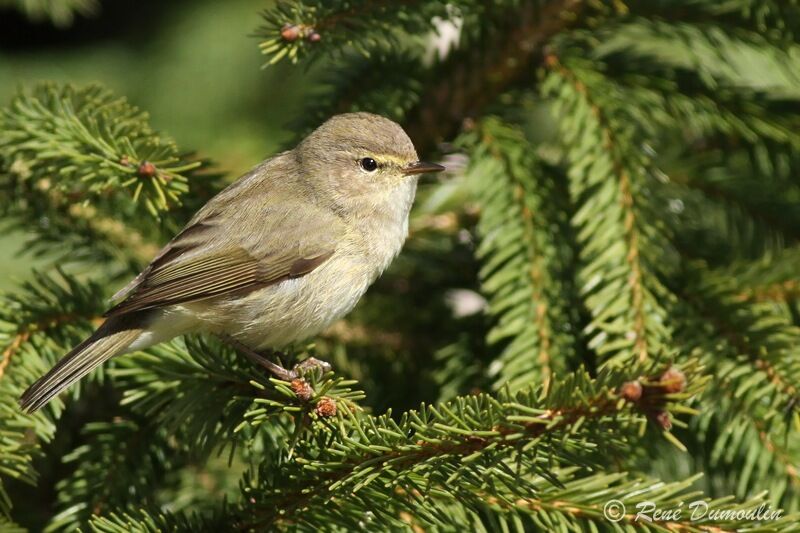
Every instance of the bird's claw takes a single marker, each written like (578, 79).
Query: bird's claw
(309, 365)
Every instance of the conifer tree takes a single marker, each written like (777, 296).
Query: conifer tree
(598, 302)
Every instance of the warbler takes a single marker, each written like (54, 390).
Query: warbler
(274, 258)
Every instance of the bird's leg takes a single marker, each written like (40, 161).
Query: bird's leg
(277, 370)
(310, 364)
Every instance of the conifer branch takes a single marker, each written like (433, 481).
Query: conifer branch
(741, 449)
(775, 19)
(362, 456)
(753, 390)
(294, 31)
(788, 461)
(460, 87)
(602, 161)
(584, 253)
(781, 291)
(771, 279)
(87, 144)
(716, 55)
(76, 166)
(632, 256)
(35, 326)
(768, 344)
(114, 469)
(524, 267)
(469, 81)
(43, 320)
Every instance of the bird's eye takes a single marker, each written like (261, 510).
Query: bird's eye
(368, 164)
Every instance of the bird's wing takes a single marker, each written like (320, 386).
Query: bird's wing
(217, 255)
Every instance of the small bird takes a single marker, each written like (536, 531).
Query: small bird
(274, 258)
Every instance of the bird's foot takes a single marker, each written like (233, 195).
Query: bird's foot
(299, 370)
(309, 365)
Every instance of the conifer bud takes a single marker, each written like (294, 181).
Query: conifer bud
(631, 391)
(302, 389)
(663, 420)
(673, 380)
(314, 37)
(290, 32)
(146, 169)
(326, 407)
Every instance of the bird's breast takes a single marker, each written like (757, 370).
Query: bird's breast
(296, 309)
(292, 310)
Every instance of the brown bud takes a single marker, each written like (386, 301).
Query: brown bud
(673, 380)
(314, 37)
(326, 407)
(125, 161)
(290, 32)
(302, 389)
(663, 420)
(631, 391)
(146, 169)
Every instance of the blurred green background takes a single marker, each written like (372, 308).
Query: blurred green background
(192, 65)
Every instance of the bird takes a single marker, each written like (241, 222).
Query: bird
(274, 258)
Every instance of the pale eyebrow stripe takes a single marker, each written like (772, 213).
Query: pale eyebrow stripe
(379, 158)
(396, 160)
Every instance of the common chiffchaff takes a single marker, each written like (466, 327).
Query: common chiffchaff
(273, 259)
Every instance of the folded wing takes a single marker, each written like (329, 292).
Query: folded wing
(206, 260)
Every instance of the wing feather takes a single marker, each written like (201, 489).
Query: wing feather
(206, 262)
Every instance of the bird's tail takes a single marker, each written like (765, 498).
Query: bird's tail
(111, 338)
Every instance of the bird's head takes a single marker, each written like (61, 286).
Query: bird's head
(361, 157)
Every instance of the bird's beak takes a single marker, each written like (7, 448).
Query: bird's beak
(421, 167)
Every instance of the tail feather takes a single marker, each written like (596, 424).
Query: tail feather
(112, 338)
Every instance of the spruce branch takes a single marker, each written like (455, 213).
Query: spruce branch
(680, 102)
(209, 393)
(368, 459)
(88, 144)
(524, 268)
(774, 18)
(624, 251)
(787, 458)
(764, 338)
(152, 519)
(294, 31)
(773, 278)
(756, 205)
(577, 501)
(750, 349)
(75, 166)
(49, 306)
(583, 501)
(744, 452)
(470, 80)
(37, 324)
(461, 86)
(781, 291)
(720, 58)
(116, 468)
